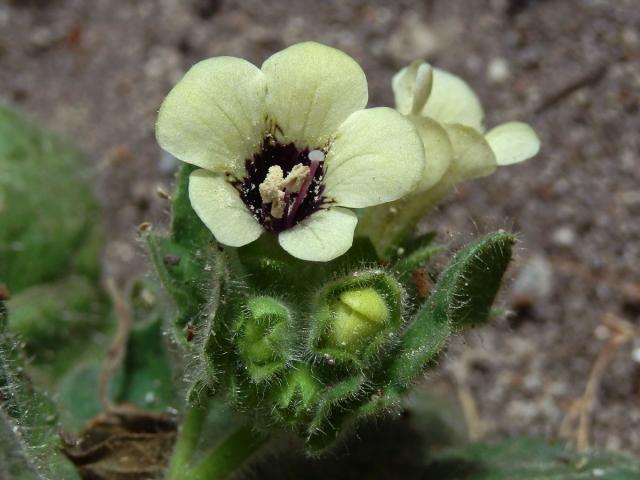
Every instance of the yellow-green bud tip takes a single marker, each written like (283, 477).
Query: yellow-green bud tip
(357, 316)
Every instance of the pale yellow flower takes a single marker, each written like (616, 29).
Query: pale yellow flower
(450, 119)
(288, 148)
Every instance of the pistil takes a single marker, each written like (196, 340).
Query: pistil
(315, 158)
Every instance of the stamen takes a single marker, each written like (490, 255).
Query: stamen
(271, 191)
(278, 204)
(271, 185)
(296, 178)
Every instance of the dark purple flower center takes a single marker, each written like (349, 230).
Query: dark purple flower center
(294, 204)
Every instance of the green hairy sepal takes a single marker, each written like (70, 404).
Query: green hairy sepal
(311, 347)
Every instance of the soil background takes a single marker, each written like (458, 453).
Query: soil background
(96, 71)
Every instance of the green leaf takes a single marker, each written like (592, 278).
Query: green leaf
(188, 262)
(268, 268)
(528, 459)
(467, 289)
(59, 323)
(463, 296)
(420, 344)
(29, 444)
(77, 394)
(14, 462)
(49, 218)
(187, 274)
(146, 378)
(3, 317)
(333, 409)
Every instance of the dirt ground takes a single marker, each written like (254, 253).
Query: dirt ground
(97, 71)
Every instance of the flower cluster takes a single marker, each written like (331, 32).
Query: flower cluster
(286, 152)
(289, 148)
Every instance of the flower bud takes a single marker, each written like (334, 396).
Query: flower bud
(295, 396)
(358, 315)
(355, 316)
(264, 337)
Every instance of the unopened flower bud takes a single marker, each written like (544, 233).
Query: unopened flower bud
(296, 393)
(264, 337)
(355, 316)
(358, 315)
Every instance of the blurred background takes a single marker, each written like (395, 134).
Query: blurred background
(96, 71)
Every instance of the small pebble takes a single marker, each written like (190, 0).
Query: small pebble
(602, 332)
(564, 236)
(498, 70)
(168, 163)
(412, 39)
(534, 282)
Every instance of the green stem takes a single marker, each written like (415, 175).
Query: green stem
(187, 442)
(228, 456)
(219, 462)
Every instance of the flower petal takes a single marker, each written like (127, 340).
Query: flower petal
(513, 142)
(214, 117)
(221, 209)
(311, 90)
(404, 86)
(322, 236)
(472, 155)
(437, 150)
(451, 99)
(376, 156)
